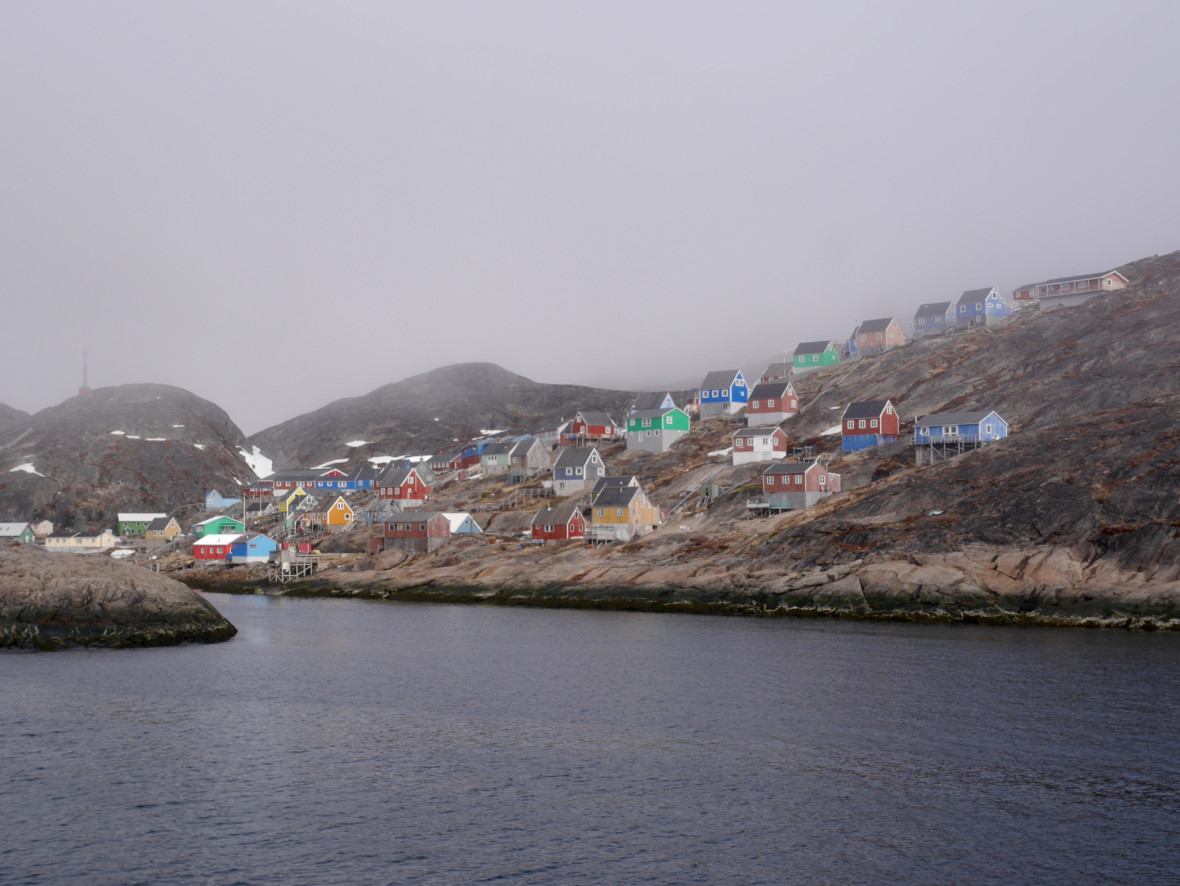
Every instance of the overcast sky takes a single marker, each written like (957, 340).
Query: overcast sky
(277, 204)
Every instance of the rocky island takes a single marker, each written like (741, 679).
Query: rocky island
(54, 601)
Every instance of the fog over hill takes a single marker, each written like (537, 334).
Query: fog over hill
(423, 414)
(141, 447)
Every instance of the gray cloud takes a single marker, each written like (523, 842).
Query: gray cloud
(278, 204)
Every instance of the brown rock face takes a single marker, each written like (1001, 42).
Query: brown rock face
(53, 601)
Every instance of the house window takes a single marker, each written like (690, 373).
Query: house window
(769, 404)
(716, 393)
(647, 422)
(872, 422)
(618, 512)
(823, 480)
(861, 423)
(421, 527)
(921, 321)
(815, 358)
(922, 432)
(600, 512)
(397, 490)
(549, 528)
(754, 405)
(668, 420)
(978, 306)
(962, 309)
(798, 479)
(948, 430)
(878, 336)
(987, 429)
(578, 472)
(725, 392)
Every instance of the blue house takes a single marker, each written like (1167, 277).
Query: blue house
(215, 501)
(463, 523)
(982, 426)
(723, 392)
(934, 318)
(978, 307)
(255, 548)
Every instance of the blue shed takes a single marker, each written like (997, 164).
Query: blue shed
(983, 426)
(723, 392)
(255, 548)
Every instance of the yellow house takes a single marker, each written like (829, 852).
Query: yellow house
(81, 542)
(288, 502)
(336, 514)
(162, 529)
(622, 512)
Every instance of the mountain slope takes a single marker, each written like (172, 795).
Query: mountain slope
(129, 448)
(429, 412)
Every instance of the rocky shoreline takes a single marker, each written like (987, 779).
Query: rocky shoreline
(1043, 587)
(58, 601)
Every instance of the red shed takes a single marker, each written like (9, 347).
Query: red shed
(560, 523)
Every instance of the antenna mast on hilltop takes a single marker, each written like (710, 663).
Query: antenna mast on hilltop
(85, 389)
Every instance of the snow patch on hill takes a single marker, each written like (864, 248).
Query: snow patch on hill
(356, 443)
(262, 466)
(28, 468)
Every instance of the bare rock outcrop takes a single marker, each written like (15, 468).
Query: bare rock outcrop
(53, 601)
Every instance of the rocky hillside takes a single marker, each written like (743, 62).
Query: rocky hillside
(128, 448)
(429, 412)
(10, 415)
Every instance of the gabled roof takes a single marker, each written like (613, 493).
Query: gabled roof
(720, 378)
(814, 347)
(778, 370)
(160, 524)
(771, 390)
(954, 418)
(592, 417)
(570, 457)
(789, 467)
(932, 309)
(605, 483)
(12, 530)
(294, 476)
(865, 409)
(558, 516)
(974, 295)
(760, 432)
(880, 324)
(650, 400)
(617, 497)
(396, 476)
(458, 518)
(522, 447)
(500, 447)
(215, 519)
(1073, 277)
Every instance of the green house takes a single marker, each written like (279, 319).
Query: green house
(136, 524)
(21, 532)
(655, 430)
(811, 354)
(223, 525)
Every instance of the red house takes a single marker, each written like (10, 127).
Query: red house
(560, 523)
(404, 485)
(868, 423)
(417, 533)
(213, 547)
(771, 402)
(591, 426)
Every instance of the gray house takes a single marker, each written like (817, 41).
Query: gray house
(575, 468)
(528, 458)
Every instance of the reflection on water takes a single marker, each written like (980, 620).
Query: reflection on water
(344, 741)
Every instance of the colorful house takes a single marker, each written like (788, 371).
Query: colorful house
(136, 524)
(980, 426)
(978, 307)
(497, 458)
(462, 523)
(759, 444)
(559, 524)
(336, 513)
(446, 462)
(621, 513)
(933, 318)
(253, 548)
(222, 524)
(42, 528)
(284, 481)
(588, 426)
(723, 392)
(776, 372)
(655, 430)
(771, 402)
(290, 500)
(405, 486)
(214, 546)
(1068, 291)
(416, 533)
(17, 532)
(81, 542)
(868, 423)
(813, 354)
(878, 336)
(604, 483)
(162, 529)
(575, 468)
(215, 501)
(796, 485)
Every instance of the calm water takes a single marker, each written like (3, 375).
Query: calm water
(353, 742)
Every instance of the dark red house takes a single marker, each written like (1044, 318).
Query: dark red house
(416, 533)
(587, 426)
(560, 523)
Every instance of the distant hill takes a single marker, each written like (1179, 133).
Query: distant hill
(9, 415)
(140, 447)
(429, 412)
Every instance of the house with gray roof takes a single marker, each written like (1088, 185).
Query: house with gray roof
(978, 307)
(877, 336)
(575, 468)
(933, 318)
(723, 392)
